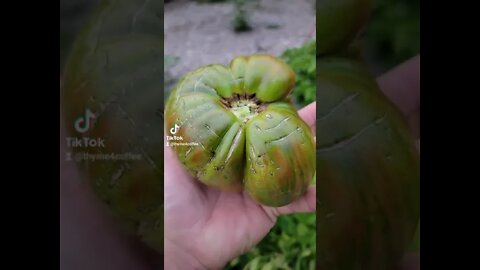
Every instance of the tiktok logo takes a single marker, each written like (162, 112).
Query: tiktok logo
(174, 129)
(85, 123)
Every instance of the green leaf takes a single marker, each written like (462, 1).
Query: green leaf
(253, 265)
(302, 229)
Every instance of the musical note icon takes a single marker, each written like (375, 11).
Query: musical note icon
(174, 129)
(83, 124)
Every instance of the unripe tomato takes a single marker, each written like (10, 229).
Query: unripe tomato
(237, 129)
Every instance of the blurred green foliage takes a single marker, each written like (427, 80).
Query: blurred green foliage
(303, 61)
(291, 244)
(393, 34)
(240, 20)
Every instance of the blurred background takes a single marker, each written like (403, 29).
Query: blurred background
(199, 32)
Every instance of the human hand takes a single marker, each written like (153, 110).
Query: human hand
(205, 228)
(90, 241)
(402, 86)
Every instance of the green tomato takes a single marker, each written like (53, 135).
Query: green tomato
(238, 129)
(339, 22)
(368, 172)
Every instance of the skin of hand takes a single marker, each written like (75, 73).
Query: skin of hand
(204, 228)
(210, 227)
